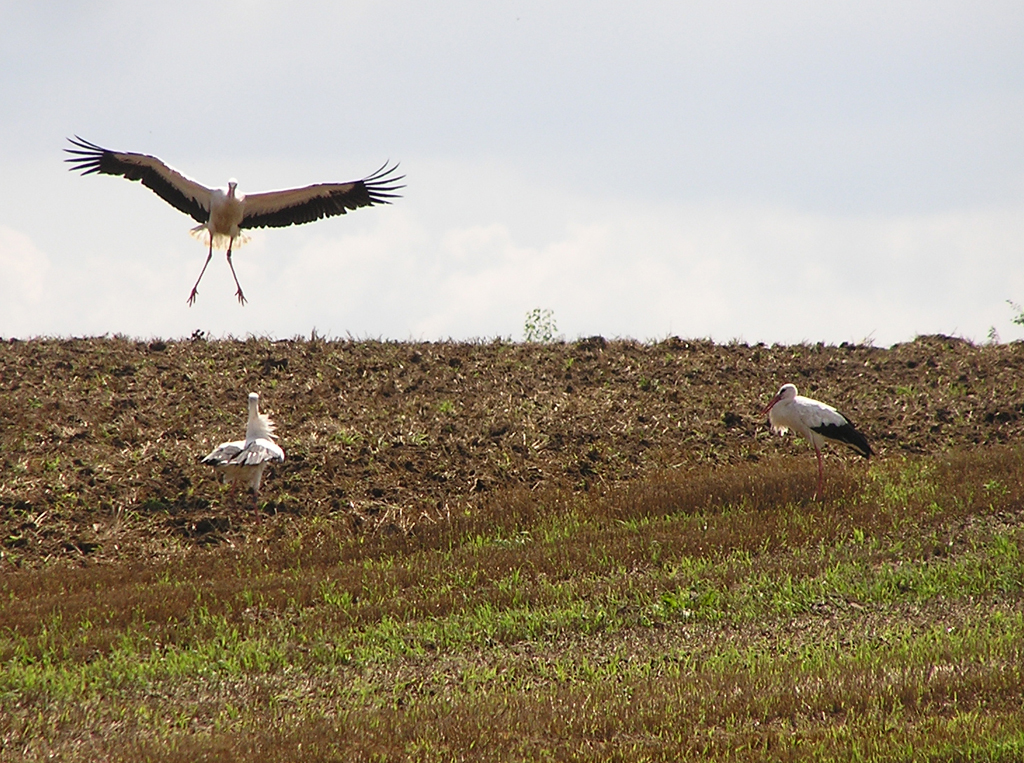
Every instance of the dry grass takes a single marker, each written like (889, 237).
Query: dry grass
(465, 559)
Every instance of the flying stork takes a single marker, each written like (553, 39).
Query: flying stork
(244, 460)
(814, 421)
(222, 216)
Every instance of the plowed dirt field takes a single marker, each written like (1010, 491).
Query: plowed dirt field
(100, 439)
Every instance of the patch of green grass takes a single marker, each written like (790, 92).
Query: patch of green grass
(707, 614)
(347, 436)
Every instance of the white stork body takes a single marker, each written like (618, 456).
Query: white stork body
(816, 422)
(222, 215)
(245, 460)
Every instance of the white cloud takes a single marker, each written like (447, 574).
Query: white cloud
(628, 270)
(25, 283)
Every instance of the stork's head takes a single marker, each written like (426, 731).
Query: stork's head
(786, 392)
(254, 405)
(232, 184)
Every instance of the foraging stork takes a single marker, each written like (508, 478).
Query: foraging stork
(222, 216)
(814, 421)
(245, 460)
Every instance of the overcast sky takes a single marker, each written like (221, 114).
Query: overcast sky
(778, 172)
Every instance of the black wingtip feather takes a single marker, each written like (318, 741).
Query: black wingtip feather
(86, 157)
(381, 185)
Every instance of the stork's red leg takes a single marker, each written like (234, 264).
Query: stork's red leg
(241, 297)
(195, 289)
(819, 493)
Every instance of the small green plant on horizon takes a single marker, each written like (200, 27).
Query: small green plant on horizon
(540, 326)
(993, 333)
(1019, 318)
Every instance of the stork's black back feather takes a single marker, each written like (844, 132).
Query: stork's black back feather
(846, 433)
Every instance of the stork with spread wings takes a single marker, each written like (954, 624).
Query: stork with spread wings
(223, 215)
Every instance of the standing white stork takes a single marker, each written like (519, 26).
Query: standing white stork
(244, 460)
(814, 421)
(222, 216)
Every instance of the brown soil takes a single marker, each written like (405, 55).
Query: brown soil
(101, 438)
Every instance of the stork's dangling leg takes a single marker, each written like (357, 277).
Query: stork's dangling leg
(241, 297)
(195, 289)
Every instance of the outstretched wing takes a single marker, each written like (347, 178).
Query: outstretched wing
(259, 451)
(240, 453)
(224, 453)
(180, 192)
(278, 209)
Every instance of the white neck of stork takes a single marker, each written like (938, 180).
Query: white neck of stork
(259, 425)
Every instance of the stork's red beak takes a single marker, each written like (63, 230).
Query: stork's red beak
(769, 406)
